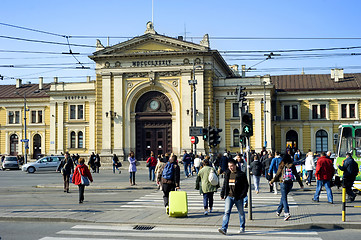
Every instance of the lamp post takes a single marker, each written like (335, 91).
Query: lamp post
(25, 140)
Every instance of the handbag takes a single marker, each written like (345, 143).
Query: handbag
(84, 180)
(269, 177)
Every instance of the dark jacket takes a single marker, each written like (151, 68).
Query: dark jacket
(347, 168)
(176, 176)
(280, 172)
(267, 164)
(324, 169)
(241, 187)
(224, 164)
(67, 165)
(256, 168)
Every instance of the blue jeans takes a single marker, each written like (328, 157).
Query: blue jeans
(115, 167)
(208, 197)
(309, 176)
(190, 168)
(186, 164)
(285, 189)
(197, 169)
(256, 180)
(151, 170)
(327, 184)
(230, 201)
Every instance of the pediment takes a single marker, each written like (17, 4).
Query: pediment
(150, 43)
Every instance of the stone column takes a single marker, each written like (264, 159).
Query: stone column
(118, 120)
(222, 123)
(60, 115)
(106, 107)
(91, 137)
(186, 110)
(53, 115)
(257, 119)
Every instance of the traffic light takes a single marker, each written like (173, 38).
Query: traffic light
(241, 94)
(205, 134)
(247, 125)
(212, 133)
(217, 137)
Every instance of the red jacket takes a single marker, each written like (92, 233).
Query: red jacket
(324, 169)
(153, 161)
(84, 172)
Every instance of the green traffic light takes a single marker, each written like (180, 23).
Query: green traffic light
(246, 129)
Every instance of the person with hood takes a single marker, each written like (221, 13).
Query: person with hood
(235, 187)
(81, 170)
(66, 168)
(324, 173)
(285, 175)
(350, 170)
(309, 167)
(205, 187)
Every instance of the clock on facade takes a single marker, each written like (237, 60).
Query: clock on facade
(154, 105)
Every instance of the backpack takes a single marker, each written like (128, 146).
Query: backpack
(354, 168)
(212, 178)
(168, 171)
(288, 175)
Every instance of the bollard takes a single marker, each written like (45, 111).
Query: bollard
(343, 204)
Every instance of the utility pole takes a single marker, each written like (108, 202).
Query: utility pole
(264, 114)
(193, 83)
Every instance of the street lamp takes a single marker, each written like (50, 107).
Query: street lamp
(193, 83)
(25, 140)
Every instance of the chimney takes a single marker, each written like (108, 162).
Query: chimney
(180, 38)
(88, 79)
(41, 83)
(18, 83)
(337, 74)
(243, 71)
(55, 79)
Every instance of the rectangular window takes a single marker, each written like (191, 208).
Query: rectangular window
(287, 112)
(323, 111)
(343, 110)
(80, 112)
(40, 116)
(76, 111)
(294, 112)
(314, 111)
(33, 116)
(72, 111)
(352, 110)
(235, 107)
(14, 117)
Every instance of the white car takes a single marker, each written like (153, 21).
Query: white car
(10, 162)
(49, 163)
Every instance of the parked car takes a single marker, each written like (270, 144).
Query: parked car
(49, 163)
(10, 162)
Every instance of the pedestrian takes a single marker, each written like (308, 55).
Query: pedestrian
(274, 168)
(266, 167)
(256, 171)
(205, 187)
(66, 167)
(151, 162)
(170, 178)
(116, 163)
(324, 173)
(158, 169)
(297, 155)
(234, 189)
(350, 171)
(132, 168)
(197, 164)
(97, 163)
(186, 162)
(286, 173)
(224, 163)
(309, 167)
(191, 163)
(91, 161)
(81, 170)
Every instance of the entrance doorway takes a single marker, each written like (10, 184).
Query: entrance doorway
(14, 144)
(153, 125)
(292, 141)
(36, 146)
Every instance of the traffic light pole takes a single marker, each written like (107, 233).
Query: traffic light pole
(249, 180)
(193, 83)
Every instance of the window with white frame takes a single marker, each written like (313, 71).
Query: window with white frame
(13, 117)
(36, 116)
(348, 110)
(290, 111)
(76, 139)
(319, 111)
(321, 141)
(76, 111)
(235, 109)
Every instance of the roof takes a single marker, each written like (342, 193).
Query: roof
(9, 91)
(316, 82)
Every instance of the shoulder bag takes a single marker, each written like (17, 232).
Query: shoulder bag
(84, 180)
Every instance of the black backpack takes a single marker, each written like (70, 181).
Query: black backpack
(354, 168)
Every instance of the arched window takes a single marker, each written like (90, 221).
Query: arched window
(321, 141)
(235, 138)
(80, 139)
(72, 139)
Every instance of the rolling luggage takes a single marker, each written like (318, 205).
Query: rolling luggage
(178, 204)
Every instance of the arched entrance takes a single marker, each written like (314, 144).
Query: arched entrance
(292, 140)
(14, 142)
(36, 146)
(153, 125)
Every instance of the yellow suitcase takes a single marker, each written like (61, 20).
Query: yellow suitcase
(178, 204)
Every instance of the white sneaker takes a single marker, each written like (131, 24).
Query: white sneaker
(287, 216)
(278, 214)
(242, 230)
(206, 213)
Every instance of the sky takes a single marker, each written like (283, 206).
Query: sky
(245, 33)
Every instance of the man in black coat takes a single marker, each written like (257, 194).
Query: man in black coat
(350, 170)
(235, 188)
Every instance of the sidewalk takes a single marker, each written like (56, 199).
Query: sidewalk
(305, 213)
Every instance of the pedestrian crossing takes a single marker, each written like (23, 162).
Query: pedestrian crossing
(110, 232)
(195, 200)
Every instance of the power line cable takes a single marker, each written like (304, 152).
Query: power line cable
(33, 30)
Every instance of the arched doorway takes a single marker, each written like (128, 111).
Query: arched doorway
(321, 141)
(14, 144)
(153, 125)
(292, 140)
(36, 146)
